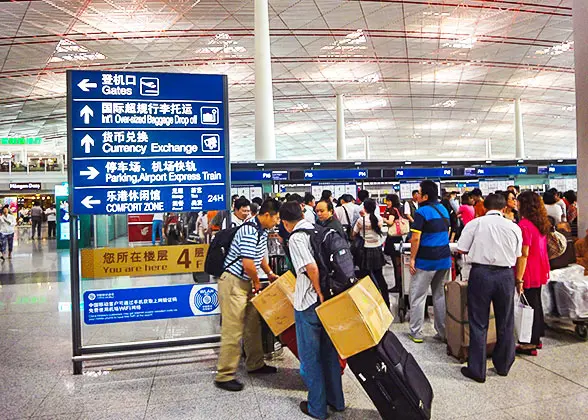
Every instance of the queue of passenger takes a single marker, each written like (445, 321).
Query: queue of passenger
(504, 235)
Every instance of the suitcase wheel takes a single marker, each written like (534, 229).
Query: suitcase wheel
(582, 331)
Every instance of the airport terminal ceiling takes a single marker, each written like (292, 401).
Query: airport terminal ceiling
(422, 79)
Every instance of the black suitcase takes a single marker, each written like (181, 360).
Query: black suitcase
(393, 380)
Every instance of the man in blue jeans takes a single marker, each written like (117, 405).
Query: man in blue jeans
(319, 361)
(157, 228)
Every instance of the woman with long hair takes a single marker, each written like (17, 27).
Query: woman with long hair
(369, 227)
(511, 212)
(392, 213)
(532, 271)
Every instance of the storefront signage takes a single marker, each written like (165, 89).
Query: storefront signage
(150, 303)
(21, 140)
(147, 142)
(24, 186)
(143, 261)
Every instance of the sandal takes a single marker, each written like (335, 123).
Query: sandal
(527, 352)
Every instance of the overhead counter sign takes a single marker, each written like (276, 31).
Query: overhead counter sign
(147, 142)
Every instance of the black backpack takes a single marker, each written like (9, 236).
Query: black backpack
(334, 260)
(219, 249)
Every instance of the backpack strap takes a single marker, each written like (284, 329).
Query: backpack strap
(240, 256)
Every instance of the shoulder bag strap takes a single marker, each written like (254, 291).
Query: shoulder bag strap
(445, 220)
(346, 215)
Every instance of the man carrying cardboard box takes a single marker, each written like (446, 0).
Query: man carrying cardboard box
(236, 287)
(319, 361)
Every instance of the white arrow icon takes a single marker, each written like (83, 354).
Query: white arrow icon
(87, 142)
(89, 203)
(86, 112)
(91, 173)
(85, 85)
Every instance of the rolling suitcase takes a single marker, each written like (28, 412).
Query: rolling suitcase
(393, 380)
(457, 324)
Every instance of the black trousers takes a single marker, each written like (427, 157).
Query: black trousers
(497, 285)
(36, 222)
(51, 229)
(534, 298)
(378, 278)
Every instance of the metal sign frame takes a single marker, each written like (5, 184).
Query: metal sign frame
(81, 353)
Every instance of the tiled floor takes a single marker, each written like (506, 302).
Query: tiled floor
(35, 368)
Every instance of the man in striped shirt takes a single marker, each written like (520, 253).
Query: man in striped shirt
(430, 261)
(236, 287)
(319, 361)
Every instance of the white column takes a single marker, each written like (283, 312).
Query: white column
(265, 141)
(580, 17)
(519, 138)
(341, 148)
(488, 148)
(367, 148)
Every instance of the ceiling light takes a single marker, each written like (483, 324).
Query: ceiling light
(446, 104)
(222, 43)
(299, 107)
(568, 108)
(68, 50)
(520, 161)
(473, 121)
(488, 161)
(465, 43)
(556, 49)
(261, 164)
(560, 160)
(444, 162)
(357, 163)
(317, 164)
(352, 42)
(12, 105)
(408, 163)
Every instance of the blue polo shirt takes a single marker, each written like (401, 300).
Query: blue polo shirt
(434, 253)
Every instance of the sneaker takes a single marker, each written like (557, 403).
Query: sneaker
(264, 370)
(417, 338)
(304, 409)
(232, 385)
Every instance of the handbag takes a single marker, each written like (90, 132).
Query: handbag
(523, 316)
(556, 244)
(400, 227)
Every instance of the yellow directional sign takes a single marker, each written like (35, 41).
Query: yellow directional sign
(143, 261)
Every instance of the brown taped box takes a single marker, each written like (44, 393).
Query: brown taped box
(357, 319)
(274, 303)
(457, 324)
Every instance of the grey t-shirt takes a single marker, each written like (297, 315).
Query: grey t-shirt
(37, 211)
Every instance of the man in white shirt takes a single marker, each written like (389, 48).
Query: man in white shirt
(347, 213)
(51, 214)
(411, 206)
(493, 244)
(319, 361)
(309, 204)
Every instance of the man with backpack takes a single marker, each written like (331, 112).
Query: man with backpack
(246, 245)
(319, 362)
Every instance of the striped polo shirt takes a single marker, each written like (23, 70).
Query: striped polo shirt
(249, 242)
(434, 253)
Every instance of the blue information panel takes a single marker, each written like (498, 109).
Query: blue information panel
(150, 303)
(335, 174)
(147, 142)
(251, 176)
(557, 169)
(424, 173)
(497, 171)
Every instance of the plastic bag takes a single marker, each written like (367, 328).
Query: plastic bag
(523, 314)
(571, 297)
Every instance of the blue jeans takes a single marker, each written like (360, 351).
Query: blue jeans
(319, 364)
(6, 241)
(156, 231)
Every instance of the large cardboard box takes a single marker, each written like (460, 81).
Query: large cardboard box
(275, 303)
(357, 319)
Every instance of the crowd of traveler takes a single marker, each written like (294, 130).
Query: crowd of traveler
(504, 236)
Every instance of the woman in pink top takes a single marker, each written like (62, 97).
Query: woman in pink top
(533, 267)
(466, 211)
